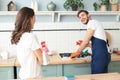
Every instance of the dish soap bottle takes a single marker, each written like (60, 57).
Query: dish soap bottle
(45, 51)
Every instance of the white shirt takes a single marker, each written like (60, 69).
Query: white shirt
(99, 30)
(30, 67)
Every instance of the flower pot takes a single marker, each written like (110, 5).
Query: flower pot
(103, 8)
(113, 1)
(118, 7)
(114, 7)
(74, 7)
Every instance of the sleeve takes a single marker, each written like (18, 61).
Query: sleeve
(35, 44)
(92, 25)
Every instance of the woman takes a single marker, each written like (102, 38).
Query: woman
(95, 34)
(29, 53)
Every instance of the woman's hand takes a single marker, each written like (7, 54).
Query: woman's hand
(38, 54)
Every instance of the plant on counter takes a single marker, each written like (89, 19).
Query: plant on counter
(73, 4)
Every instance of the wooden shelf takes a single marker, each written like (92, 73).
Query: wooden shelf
(8, 13)
(38, 13)
(65, 13)
(93, 13)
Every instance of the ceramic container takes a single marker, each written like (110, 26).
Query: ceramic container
(51, 6)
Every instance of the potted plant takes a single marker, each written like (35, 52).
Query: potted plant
(73, 4)
(114, 5)
(104, 5)
(96, 6)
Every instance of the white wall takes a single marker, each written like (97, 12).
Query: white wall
(61, 41)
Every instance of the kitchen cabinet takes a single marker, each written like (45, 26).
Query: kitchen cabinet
(76, 69)
(48, 70)
(83, 69)
(6, 72)
(114, 66)
(58, 67)
(17, 71)
(52, 70)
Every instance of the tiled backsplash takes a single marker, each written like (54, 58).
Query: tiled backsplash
(60, 37)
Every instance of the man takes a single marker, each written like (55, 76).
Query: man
(95, 34)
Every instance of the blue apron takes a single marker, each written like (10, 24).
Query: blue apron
(100, 56)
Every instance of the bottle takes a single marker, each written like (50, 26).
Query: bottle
(34, 5)
(44, 47)
(45, 51)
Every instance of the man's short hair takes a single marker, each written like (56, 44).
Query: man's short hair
(85, 11)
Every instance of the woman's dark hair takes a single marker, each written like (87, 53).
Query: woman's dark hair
(85, 11)
(22, 23)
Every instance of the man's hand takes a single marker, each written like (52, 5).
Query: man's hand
(74, 54)
(79, 42)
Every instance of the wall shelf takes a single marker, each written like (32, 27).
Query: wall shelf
(8, 13)
(93, 13)
(38, 13)
(65, 13)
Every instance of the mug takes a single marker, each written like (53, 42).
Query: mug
(118, 52)
(115, 50)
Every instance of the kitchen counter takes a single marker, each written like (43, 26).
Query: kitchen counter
(58, 66)
(55, 59)
(8, 62)
(107, 76)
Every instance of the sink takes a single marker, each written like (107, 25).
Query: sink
(65, 56)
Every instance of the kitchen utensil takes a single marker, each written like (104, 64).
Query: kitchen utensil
(84, 52)
(69, 77)
(4, 55)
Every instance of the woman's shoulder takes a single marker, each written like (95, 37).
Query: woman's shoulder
(28, 35)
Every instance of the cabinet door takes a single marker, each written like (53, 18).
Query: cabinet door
(6, 73)
(52, 70)
(48, 70)
(114, 66)
(76, 69)
(18, 69)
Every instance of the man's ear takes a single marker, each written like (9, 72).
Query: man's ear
(89, 16)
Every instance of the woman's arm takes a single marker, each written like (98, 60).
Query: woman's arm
(38, 54)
